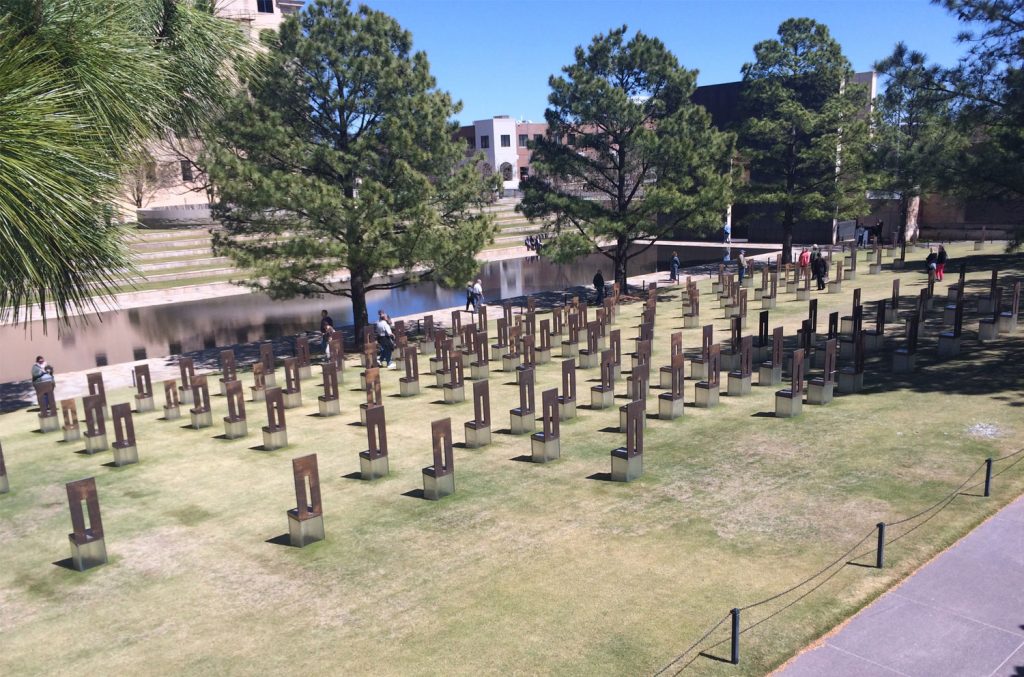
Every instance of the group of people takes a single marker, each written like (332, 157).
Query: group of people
(474, 295)
(384, 330)
(936, 262)
(863, 234)
(818, 265)
(534, 242)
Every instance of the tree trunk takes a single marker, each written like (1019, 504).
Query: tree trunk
(787, 235)
(621, 249)
(359, 314)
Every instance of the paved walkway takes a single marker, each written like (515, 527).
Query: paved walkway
(960, 614)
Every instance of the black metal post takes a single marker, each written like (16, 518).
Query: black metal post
(735, 637)
(988, 476)
(880, 552)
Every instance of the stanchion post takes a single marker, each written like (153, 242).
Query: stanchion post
(880, 551)
(988, 477)
(735, 657)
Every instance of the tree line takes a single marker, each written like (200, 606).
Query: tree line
(334, 166)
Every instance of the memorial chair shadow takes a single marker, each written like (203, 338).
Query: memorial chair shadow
(503, 431)
(415, 493)
(763, 414)
(609, 429)
(282, 539)
(222, 436)
(601, 477)
(522, 458)
(66, 563)
(263, 449)
(353, 476)
(85, 452)
(438, 402)
(459, 445)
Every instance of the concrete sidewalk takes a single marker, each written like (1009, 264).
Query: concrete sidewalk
(960, 614)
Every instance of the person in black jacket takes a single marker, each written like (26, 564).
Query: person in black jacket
(599, 287)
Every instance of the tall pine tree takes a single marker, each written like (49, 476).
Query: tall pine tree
(340, 164)
(915, 144)
(629, 156)
(806, 131)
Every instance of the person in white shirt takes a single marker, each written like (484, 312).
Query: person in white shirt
(385, 339)
(478, 295)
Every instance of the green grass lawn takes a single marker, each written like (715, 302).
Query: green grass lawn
(527, 569)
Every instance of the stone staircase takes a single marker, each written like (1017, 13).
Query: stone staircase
(181, 257)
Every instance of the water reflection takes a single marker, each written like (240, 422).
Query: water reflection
(182, 327)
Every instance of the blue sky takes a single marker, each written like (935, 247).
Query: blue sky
(496, 57)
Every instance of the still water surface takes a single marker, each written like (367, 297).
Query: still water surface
(155, 331)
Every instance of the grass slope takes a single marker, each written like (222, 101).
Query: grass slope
(527, 569)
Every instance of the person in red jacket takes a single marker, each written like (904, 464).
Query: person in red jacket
(804, 261)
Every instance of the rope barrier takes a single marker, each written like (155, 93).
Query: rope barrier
(935, 509)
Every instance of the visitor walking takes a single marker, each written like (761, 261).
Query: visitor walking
(877, 231)
(940, 263)
(861, 235)
(41, 371)
(804, 261)
(478, 295)
(469, 295)
(599, 287)
(931, 263)
(741, 264)
(328, 335)
(385, 339)
(674, 266)
(727, 229)
(326, 329)
(819, 267)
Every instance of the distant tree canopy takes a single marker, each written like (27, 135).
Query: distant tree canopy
(83, 85)
(628, 157)
(805, 131)
(915, 145)
(988, 84)
(339, 161)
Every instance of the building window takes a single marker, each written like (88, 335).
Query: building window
(485, 141)
(265, 6)
(186, 171)
(537, 138)
(506, 171)
(571, 139)
(506, 140)
(524, 173)
(472, 142)
(523, 140)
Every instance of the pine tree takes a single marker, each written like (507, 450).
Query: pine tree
(806, 130)
(340, 163)
(914, 142)
(628, 157)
